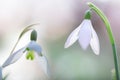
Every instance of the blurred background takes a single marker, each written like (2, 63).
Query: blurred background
(58, 18)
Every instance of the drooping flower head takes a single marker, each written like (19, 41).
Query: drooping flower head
(85, 34)
(31, 49)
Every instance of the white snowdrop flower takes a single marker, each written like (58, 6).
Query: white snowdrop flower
(32, 48)
(85, 34)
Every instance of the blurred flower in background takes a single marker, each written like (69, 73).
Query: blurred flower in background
(57, 19)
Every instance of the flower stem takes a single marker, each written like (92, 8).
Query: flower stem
(28, 28)
(108, 28)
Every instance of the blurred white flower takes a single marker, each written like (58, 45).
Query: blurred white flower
(86, 35)
(31, 49)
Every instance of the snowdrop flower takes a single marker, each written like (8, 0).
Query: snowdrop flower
(30, 49)
(85, 34)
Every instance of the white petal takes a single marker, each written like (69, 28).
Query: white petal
(85, 34)
(0, 73)
(94, 43)
(44, 64)
(14, 57)
(73, 36)
(34, 46)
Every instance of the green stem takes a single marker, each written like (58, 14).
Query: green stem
(108, 28)
(28, 28)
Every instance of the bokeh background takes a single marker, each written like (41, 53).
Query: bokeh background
(58, 18)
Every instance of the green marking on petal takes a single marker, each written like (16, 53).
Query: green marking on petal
(30, 55)
(27, 49)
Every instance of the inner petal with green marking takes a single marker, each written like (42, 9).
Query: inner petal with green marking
(30, 55)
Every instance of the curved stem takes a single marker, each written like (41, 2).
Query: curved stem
(28, 28)
(14, 46)
(108, 28)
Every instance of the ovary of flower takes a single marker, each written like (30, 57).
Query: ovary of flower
(32, 46)
(86, 35)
